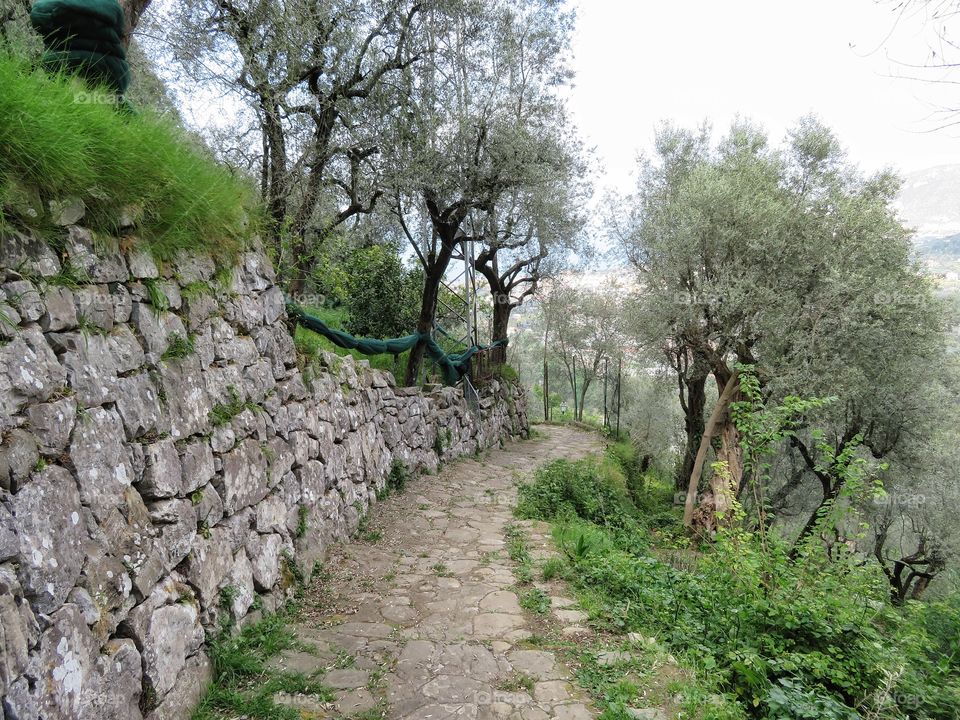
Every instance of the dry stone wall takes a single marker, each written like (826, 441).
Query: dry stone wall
(167, 461)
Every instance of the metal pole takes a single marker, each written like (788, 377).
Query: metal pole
(619, 378)
(546, 390)
(467, 250)
(606, 417)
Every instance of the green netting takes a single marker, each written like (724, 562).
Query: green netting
(85, 37)
(453, 365)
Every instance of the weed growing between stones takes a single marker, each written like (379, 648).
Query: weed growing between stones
(375, 713)
(178, 346)
(244, 686)
(398, 477)
(88, 328)
(69, 276)
(365, 532)
(535, 600)
(517, 549)
(442, 570)
(302, 513)
(196, 289)
(442, 441)
(552, 568)
(158, 299)
(517, 682)
(222, 413)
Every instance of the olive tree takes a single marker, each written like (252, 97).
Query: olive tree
(790, 260)
(477, 127)
(312, 81)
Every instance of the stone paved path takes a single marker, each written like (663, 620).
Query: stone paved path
(419, 619)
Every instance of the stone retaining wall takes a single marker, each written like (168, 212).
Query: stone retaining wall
(167, 458)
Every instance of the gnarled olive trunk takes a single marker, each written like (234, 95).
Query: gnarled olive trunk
(724, 483)
(693, 399)
(428, 311)
(502, 308)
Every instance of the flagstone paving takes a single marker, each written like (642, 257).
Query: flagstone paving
(419, 619)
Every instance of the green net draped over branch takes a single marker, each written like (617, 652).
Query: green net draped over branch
(85, 37)
(453, 365)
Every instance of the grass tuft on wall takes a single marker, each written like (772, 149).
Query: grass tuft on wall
(64, 140)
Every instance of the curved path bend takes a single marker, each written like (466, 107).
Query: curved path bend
(419, 619)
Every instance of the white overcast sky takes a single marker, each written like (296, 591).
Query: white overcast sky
(642, 62)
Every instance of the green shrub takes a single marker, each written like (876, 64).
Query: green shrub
(625, 454)
(804, 637)
(383, 297)
(397, 479)
(55, 139)
(590, 489)
(508, 373)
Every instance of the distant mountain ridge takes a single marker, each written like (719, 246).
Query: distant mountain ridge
(930, 203)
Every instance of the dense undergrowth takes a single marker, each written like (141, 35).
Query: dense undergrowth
(62, 139)
(755, 633)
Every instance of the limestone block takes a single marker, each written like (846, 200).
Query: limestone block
(138, 404)
(176, 523)
(19, 454)
(122, 303)
(240, 582)
(95, 305)
(141, 264)
(196, 461)
(208, 564)
(51, 424)
(23, 295)
(156, 327)
(188, 403)
(272, 514)
(47, 514)
(162, 473)
(29, 371)
(209, 506)
(264, 554)
(101, 459)
(29, 253)
(243, 481)
(191, 682)
(100, 261)
(166, 627)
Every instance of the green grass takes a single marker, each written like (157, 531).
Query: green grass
(222, 413)
(536, 601)
(519, 553)
(310, 343)
(178, 346)
(54, 139)
(742, 629)
(517, 682)
(244, 686)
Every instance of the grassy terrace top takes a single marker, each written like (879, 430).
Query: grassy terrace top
(57, 138)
